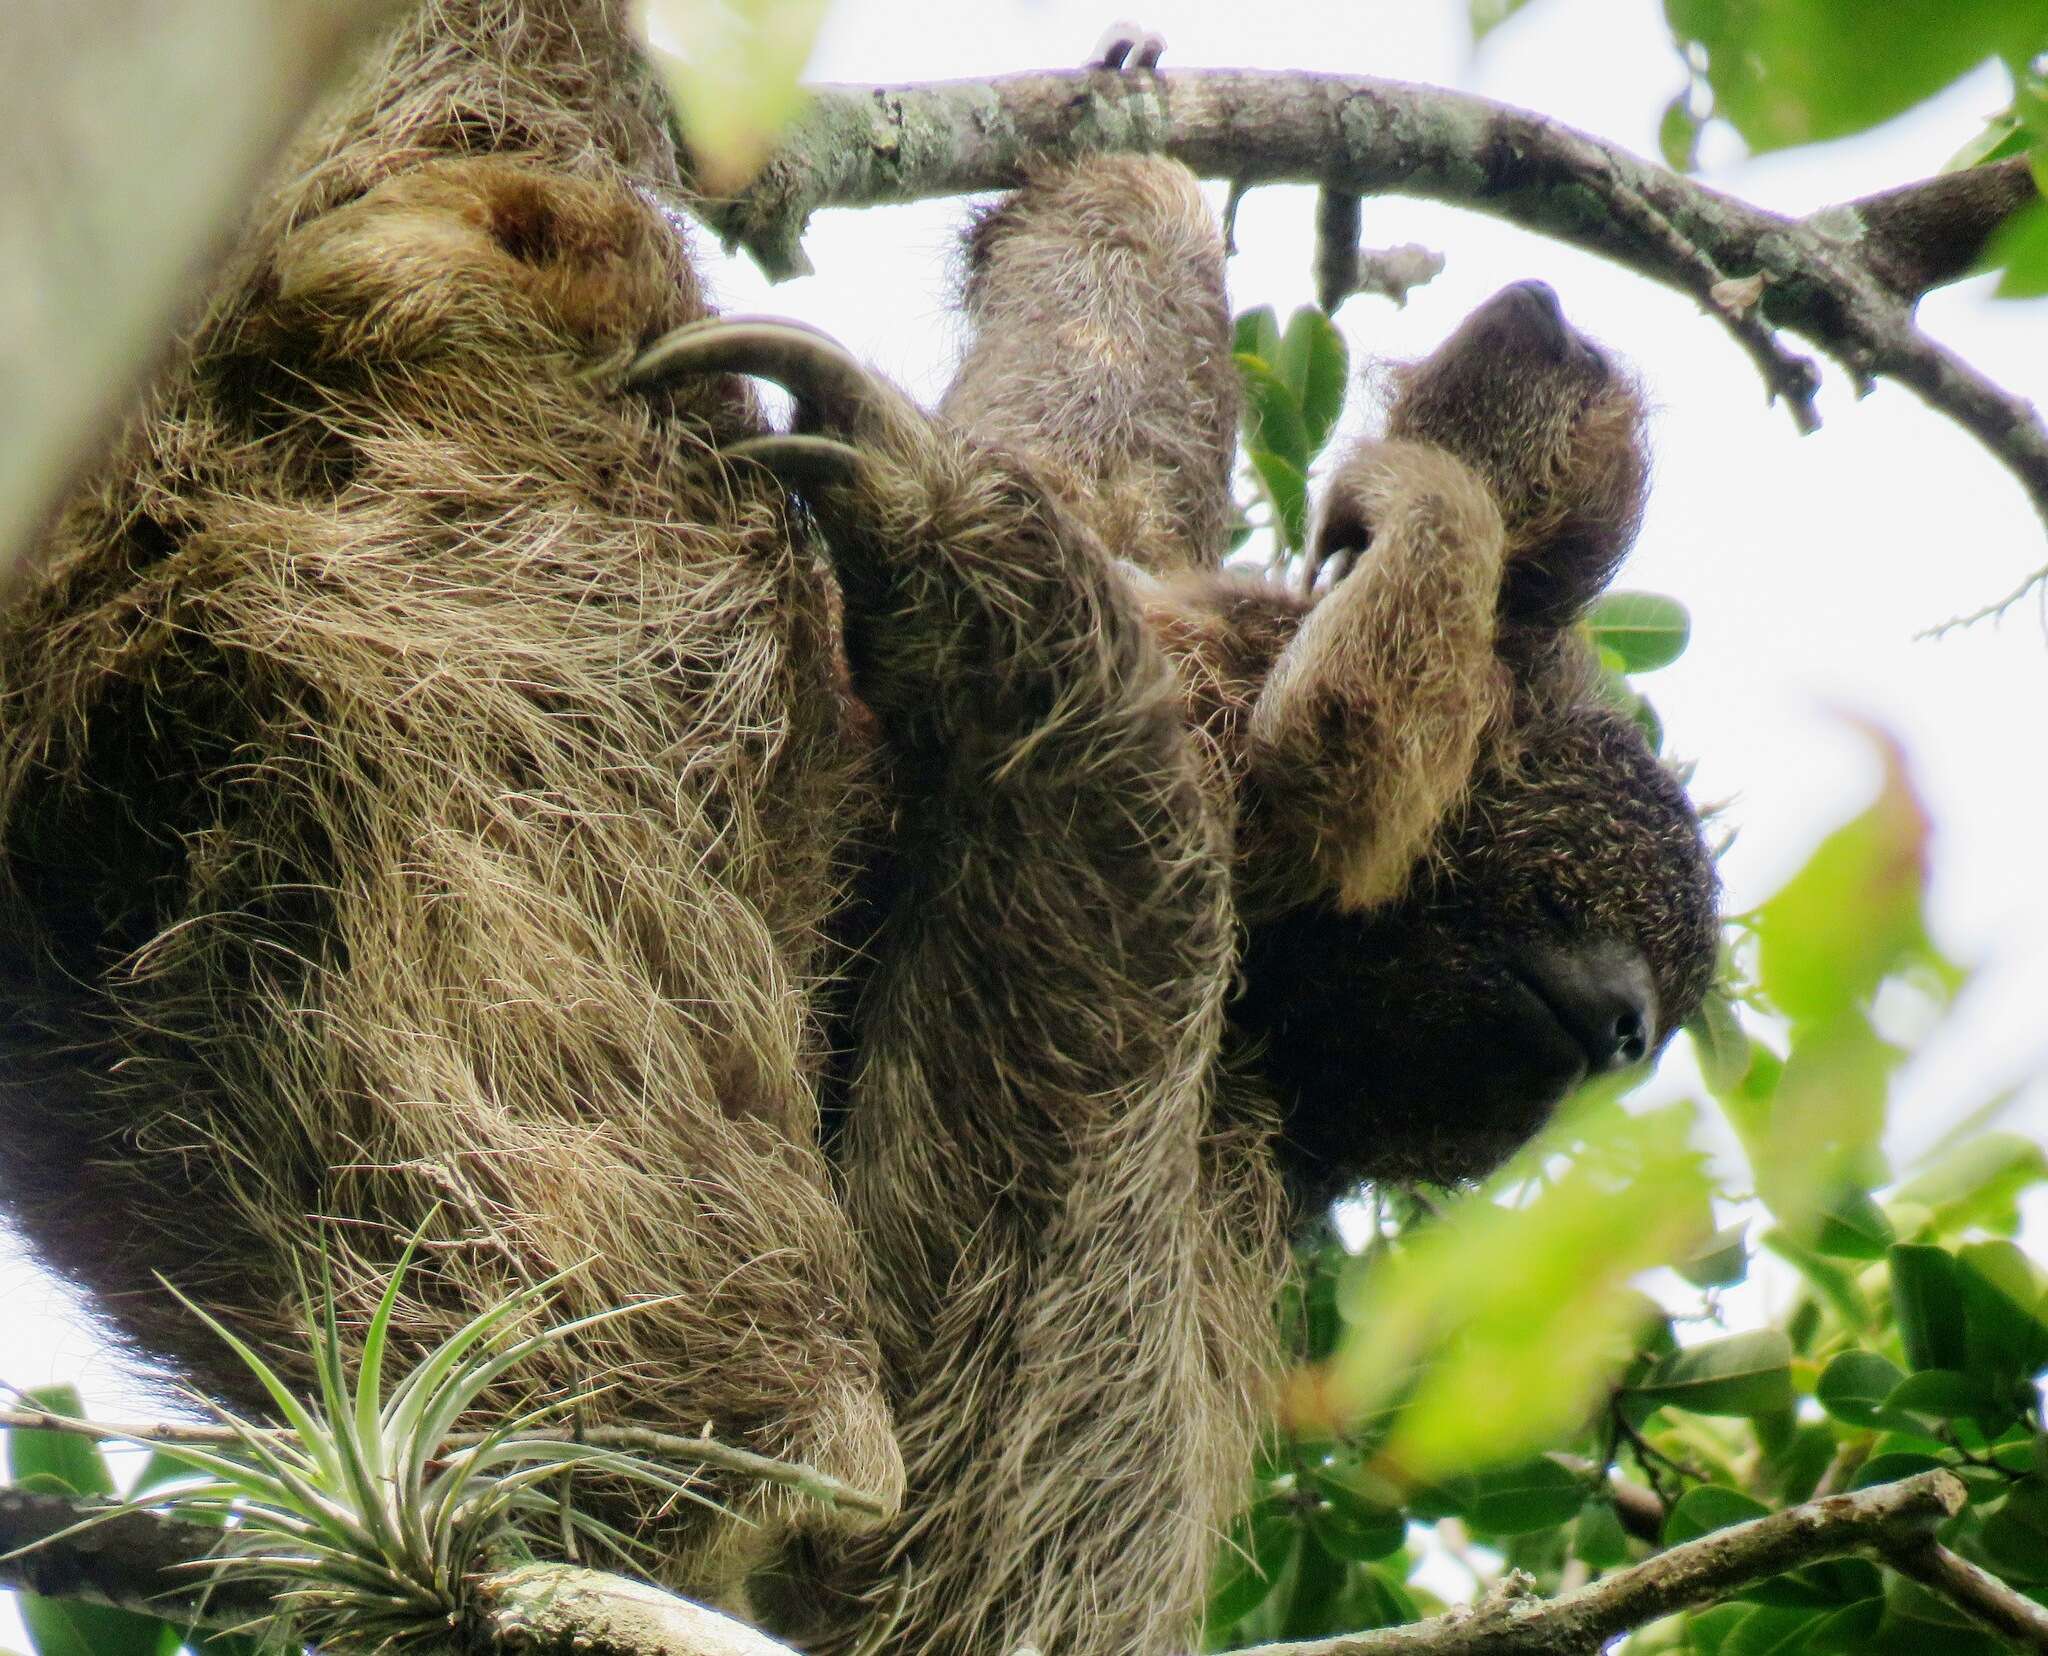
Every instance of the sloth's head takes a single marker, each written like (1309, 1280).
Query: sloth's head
(1563, 922)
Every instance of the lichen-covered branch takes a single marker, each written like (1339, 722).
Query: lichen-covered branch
(1846, 278)
(1982, 1595)
(143, 1562)
(1702, 1572)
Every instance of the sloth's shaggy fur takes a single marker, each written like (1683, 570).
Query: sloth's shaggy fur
(422, 781)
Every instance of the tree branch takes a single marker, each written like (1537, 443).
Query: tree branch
(142, 1562)
(1847, 278)
(1976, 1592)
(1902, 1514)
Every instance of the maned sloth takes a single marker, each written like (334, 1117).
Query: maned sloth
(427, 786)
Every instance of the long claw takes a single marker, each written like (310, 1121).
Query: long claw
(805, 464)
(828, 381)
(1127, 46)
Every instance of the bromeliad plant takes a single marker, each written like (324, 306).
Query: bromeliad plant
(363, 1518)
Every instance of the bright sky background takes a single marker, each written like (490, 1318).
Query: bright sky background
(1808, 563)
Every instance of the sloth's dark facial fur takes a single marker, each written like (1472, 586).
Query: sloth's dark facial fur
(1422, 1039)
(1564, 920)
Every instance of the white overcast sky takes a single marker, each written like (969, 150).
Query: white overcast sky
(1808, 563)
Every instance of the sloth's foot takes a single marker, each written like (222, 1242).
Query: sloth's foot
(1127, 46)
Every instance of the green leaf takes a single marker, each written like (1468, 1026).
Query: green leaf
(1742, 1374)
(1853, 1388)
(737, 88)
(1351, 1525)
(1646, 629)
(1720, 1042)
(1678, 133)
(2003, 1296)
(1261, 1543)
(1769, 1631)
(61, 1463)
(1848, 1630)
(1286, 489)
(66, 1627)
(1708, 1507)
(1488, 15)
(1928, 1305)
(1720, 1261)
(1883, 1469)
(1597, 1535)
(2021, 248)
(1315, 365)
(1851, 1226)
(2015, 1535)
(1948, 1394)
(1257, 334)
(1834, 1284)
(1534, 1494)
(1272, 414)
(1851, 915)
(1802, 71)
(1977, 1182)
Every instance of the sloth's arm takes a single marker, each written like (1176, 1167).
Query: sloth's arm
(1367, 727)
(1102, 351)
(1034, 1043)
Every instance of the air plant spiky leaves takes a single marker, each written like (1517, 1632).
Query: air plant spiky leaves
(359, 1520)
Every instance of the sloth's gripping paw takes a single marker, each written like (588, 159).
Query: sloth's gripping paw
(1126, 46)
(834, 391)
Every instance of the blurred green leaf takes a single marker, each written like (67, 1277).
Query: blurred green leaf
(1854, 1386)
(1257, 334)
(1678, 133)
(2021, 248)
(1349, 1524)
(2003, 1295)
(1719, 1041)
(1720, 1261)
(1314, 363)
(1947, 1394)
(1273, 420)
(62, 1463)
(1789, 72)
(1260, 1544)
(1525, 1309)
(1597, 1535)
(1882, 1469)
(1927, 1301)
(1977, 1182)
(1529, 1495)
(1645, 629)
(65, 1463)
(1286, 490)
(1832, 1282)
(1851, 915)
(1850, 1225)
(2015, 1536)
(1488, 15)
(1708, 1507)
(1740, 1374)
(733, 67)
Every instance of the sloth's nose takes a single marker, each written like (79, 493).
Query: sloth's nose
(1600, 991)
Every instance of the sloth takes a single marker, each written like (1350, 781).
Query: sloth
(1464, 882)
(434, 762)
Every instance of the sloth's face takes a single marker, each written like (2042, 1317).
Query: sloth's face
(1562, 925)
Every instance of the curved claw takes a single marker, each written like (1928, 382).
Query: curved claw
(828, 381)
(806, 464)
(1127, 46)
